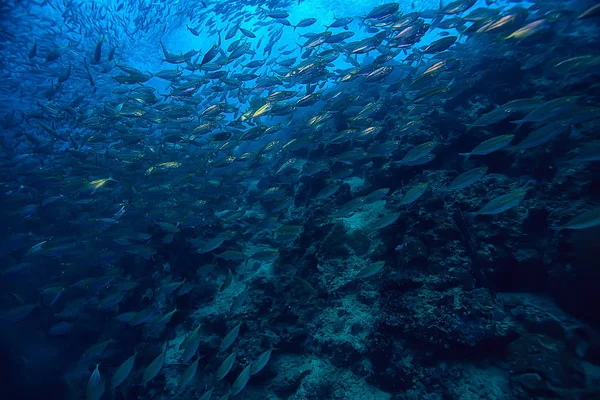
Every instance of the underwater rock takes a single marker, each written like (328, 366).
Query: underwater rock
(412, 252)
(453, 321)
(309, 378)
(359, 242)
(343, 331)
(547, 358)
(334, 244)
(480, 381)
(292, 371)
(540, 315)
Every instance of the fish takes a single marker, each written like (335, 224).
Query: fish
(440, 45)
(593, 11)
(370, 270)
(98, 52)
(467, 178)
(170, 287)
(73, 309)
(530, 29)
(56, 53)
(126, 316)
(375, 196)
(95, 386)
(457, 7)
(225, 366)
(261, 361)
(587, 219)
(192, 30)
(588, 152)
(164, 319)
(340, 23)
(191, 344)
(231, 255)
(185, 289)
(417, 153)
(230, 337)
(306, 22)
(327, 192)
(414, 193)
(240, 299)
(308, 287)
(189, 374)
(143, 316)
(501, 203)
(269, 255)
(154, 368)
(579, 63)
(207, 395)
(123, 371)
(35, 249)
(548, 110)
(502, 112)
(96, 350)
(33, 50)
(541, 135)
(51, 295)
(381, 12)
(489, 146)
(61, 328)
(111, 301)
(247, 33)
(227, 281)
(240, 382)
(384, 221)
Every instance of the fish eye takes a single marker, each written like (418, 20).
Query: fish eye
(508, 110)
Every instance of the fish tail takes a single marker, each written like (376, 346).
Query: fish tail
(466, 155)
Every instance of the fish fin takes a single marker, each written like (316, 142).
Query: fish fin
(17, 298)
(519, 123)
